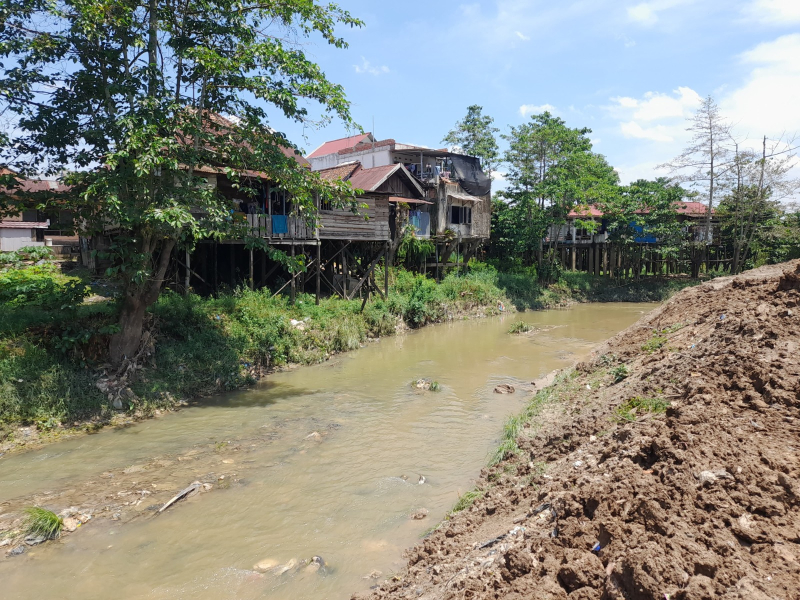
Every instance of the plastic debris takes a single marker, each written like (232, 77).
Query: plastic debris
(722, 317)
(597, 547)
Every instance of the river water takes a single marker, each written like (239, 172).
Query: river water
(339, 494)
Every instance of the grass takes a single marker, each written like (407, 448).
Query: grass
(632, 408)
(519, 327)
(466, 500)
(620, 373)
(41, 522)
(656, 342)
(514, 426)
(50, 355)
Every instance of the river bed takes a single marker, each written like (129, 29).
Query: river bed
(322, 460)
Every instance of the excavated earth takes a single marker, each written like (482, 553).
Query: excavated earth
(680, 481)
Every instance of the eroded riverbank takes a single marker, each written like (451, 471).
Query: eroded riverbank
(666, 466)
(339, 494)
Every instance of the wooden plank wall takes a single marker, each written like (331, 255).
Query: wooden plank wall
(344, 225)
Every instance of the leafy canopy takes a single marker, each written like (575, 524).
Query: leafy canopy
(140, 100)
(474, 135)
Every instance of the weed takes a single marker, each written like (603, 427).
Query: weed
(607, 360)
(466, 500)
(638, 405)
(435, 386)
(654, 343)
(519, 327)
(620, 373)
(42, 522)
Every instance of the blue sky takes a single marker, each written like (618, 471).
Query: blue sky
(632, 71)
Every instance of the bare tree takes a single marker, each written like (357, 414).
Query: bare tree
(704, 163)
(761, 181)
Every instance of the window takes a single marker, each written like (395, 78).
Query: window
(461, 214)
(325, 204)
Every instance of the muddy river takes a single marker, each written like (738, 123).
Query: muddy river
(322, 460)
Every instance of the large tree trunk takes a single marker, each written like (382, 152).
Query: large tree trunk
(125, 343)
(138, 298)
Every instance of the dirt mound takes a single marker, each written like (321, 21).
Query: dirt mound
(669, 469)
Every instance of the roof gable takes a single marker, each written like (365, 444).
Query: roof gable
(370, 180)
(334, 146)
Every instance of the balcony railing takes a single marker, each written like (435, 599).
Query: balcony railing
(280, 227)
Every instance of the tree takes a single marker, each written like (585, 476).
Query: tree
(704, 164)
(752, 206)
(551, 169)
(127, 94)
(475, 136)
(644, 209)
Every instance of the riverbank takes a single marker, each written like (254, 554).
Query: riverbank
(664, 467)
(53, 383)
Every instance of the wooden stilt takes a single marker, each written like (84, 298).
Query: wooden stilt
(251, 269)
(319, 269)
(293, 275)
(386, 270)
(216, 268)
(188, 276)
(344, 274)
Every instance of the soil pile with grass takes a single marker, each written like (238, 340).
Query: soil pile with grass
(666, 467)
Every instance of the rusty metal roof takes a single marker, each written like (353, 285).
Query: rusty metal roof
(341, 144)
(343, 171)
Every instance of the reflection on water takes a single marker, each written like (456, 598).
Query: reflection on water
(345, 494)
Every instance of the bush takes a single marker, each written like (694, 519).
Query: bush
(40, 286)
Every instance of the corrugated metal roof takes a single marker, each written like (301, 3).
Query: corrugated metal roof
(465, 197)
(340, 172)
(585, 211)
(408, 200)
(24, 224)
(341, 144)
(370, 180)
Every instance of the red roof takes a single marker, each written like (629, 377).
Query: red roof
(585, 211)
(682, 208)
(692, 208)
(335, 145)
(367, 145)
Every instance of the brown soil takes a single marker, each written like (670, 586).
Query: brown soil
(680, 482)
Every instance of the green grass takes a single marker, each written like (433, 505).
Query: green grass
(519, 327)
(656, 342)
(42, 522)
(620, 373)
(466, 500)
(632, 408)
(50, 356)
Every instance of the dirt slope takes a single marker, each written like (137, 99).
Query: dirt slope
(681, 481)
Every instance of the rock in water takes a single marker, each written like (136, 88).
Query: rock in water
(504, 388)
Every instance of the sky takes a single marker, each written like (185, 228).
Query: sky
(631, 71)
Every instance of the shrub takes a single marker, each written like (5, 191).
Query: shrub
(519, 327)
(41, 522)
(620, 373)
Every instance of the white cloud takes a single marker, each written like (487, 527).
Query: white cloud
(522, 36)
(774, 12)
(535, 109)
(656, 116)
(655, 106)
(367, 67)
(644, 170)
(657, 133)
(766, 104)
(646, 13)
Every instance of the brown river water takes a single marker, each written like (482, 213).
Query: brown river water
(339, 495)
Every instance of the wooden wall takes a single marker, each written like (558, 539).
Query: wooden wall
(344, 225)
